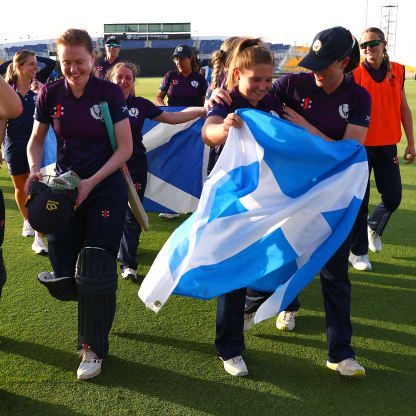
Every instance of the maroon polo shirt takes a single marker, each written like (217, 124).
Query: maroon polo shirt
(184, 91)
(139, 110)
(330, 113)
(82, 141)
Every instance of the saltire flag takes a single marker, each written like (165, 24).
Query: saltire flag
(177, 164)
(277, 205)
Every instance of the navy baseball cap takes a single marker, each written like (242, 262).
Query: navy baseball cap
(112, 39)
(328, 46)
(49, 210)
(182, 51)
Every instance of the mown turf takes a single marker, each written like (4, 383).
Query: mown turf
(165, 364)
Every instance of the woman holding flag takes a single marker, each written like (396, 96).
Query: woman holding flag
(124, 74)
(249, 80)
(83, 253)
(328, 104)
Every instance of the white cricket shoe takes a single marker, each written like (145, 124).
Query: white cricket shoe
(27, 230)
(128, 273)
(286, 320)
(38, 246)
(248, 321)
(360, 262)
(235, 366)
(347, 367)
(168, 216)
(90, 365)
(374, 241)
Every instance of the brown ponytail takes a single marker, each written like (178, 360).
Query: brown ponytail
(19, 59)
(221, 60)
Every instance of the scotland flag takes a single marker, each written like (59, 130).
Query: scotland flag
(177, 164)
(277, 205)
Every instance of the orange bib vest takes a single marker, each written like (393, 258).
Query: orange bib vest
(386, 98)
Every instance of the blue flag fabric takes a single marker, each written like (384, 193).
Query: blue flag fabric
(177, 164)
(276, 207)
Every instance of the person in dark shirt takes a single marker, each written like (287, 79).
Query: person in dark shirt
(184, 87)
(22, 75)
(10, 106)
(329, 104)
(124, 75)
(86, 247)
(111, 58)
(249, 82)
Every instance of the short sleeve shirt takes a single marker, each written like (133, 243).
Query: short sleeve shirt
(184, 91)
(139, 110)
(269, 104)
(330, 113)
(103, 66)
(19, 129)
(82, 141)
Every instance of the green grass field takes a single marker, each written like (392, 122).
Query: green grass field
(166, 364)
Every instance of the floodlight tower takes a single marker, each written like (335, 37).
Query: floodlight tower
(388, 24)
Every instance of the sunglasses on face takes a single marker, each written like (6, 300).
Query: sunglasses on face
(112, 45)
(370, 43)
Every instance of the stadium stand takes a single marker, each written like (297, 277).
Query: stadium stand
(172, 43)
(209, 46)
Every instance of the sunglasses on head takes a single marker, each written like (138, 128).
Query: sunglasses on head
(112, 45)
(370, 43)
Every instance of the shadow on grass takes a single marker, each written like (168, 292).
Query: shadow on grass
(299, 384)
(14, 404)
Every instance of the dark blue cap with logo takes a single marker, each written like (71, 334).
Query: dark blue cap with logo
(112, 39)
(182, 51)
(328, 46)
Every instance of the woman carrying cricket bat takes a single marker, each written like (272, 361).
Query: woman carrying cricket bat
(124, 75)
(86, 248)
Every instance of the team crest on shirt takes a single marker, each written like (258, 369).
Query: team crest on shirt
(35, 97)
(175, 82)
(343, 111)
(95, 111)
(194, 83)
(133, 112)
(273, 113)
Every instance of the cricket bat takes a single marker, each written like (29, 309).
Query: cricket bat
(134, 200)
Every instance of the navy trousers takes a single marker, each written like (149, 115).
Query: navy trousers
(98, 222)
(383, 160)
(336, 291)
(131, 233)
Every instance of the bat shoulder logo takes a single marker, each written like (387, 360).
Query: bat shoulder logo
(95, 111)
(52, 205)
(273, 113)
(133, 112)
